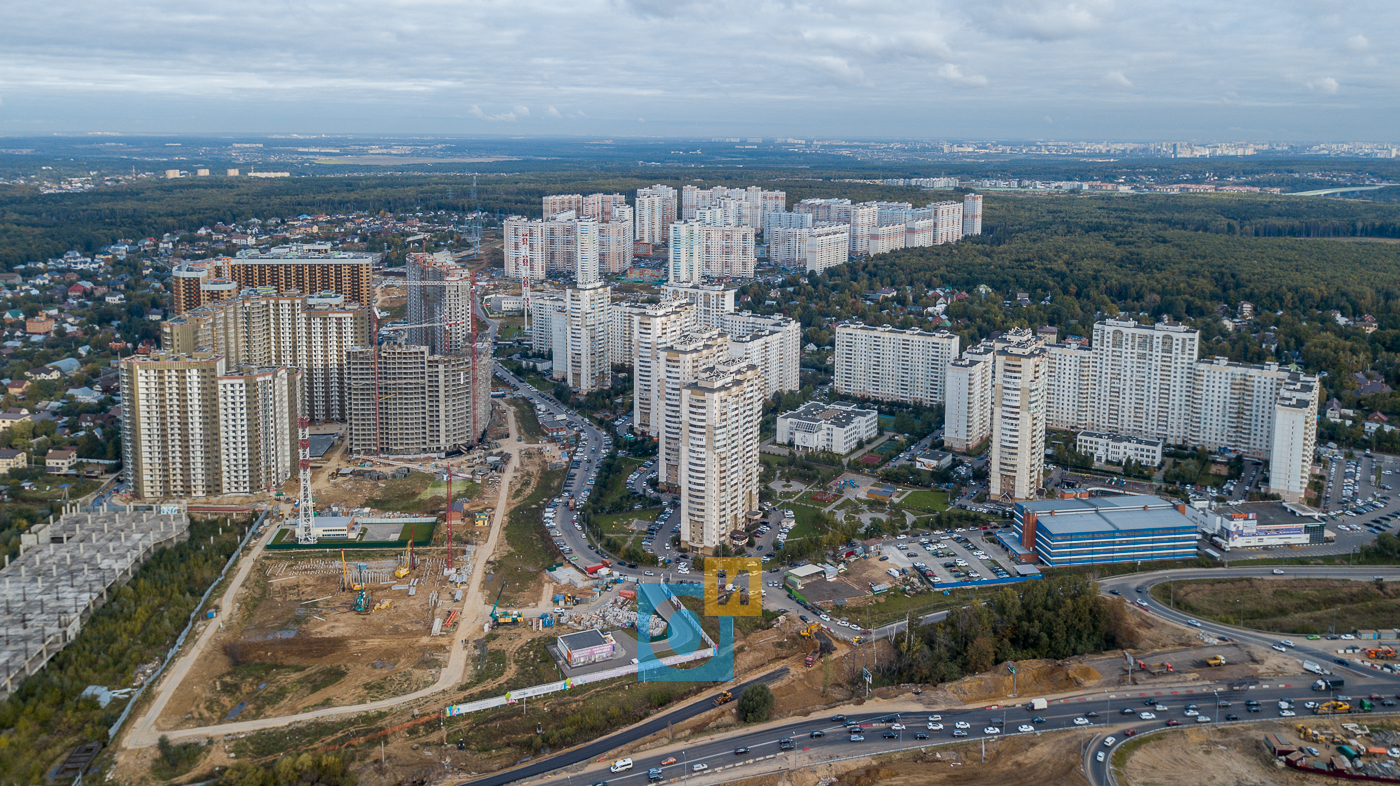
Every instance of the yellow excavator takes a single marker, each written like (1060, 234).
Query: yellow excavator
(345, 578)
(408, 563)
(810, 629)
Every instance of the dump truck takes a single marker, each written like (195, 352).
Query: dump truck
(724, 697)
(1329, 683)
(810, 659)
(1332, 708)
(1215, 660)
(1155, 669)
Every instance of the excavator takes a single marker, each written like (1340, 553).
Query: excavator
(362, 602)
(409, 563)
(499, 618)
(346, 581)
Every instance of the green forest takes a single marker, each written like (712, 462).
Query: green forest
(1050, 618)
(47, 717)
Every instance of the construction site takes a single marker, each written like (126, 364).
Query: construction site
(66, 570)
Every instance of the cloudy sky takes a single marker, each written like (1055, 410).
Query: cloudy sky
(1066, 69)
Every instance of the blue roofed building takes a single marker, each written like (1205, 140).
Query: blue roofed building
(1085, 530)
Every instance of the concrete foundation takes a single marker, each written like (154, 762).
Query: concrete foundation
(65, 571)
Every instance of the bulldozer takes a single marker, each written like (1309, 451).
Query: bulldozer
(724, 697)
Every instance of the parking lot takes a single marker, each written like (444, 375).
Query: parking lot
(950, 559)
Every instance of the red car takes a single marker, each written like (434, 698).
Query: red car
(668, 761)
(1173, 722)
(1130, 732)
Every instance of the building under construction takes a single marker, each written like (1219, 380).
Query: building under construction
(66, 570)
(422, 404)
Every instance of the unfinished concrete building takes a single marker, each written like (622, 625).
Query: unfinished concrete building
(422, 405)
(65, 571)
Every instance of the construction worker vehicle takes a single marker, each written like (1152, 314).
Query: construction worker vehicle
(1155, 669)
(724, 697)
(810, 629)
(1215, 660)
(362, 602)
(346, 581)
(1381, 653)
(1332, 708)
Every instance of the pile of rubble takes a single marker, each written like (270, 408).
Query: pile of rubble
(617, 613)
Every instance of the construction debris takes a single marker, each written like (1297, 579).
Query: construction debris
(616, 613)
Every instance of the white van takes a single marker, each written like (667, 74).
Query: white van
(621, 765)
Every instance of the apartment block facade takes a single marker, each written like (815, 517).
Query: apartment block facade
(720, 412)
(712, 301)
(422, 405)
(681, 363)
(967, 416)
(1142, 376)
(1017, 464)
(299, 270)
(258, 442)
(657, 327)
(655, 212)
(587, 360)
(773, 343)
(890, 364)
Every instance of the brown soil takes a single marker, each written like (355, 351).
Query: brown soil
(1033, 677)
(292, 642)
(1224, 757)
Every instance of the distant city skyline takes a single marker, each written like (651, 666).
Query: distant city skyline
(1000, 69)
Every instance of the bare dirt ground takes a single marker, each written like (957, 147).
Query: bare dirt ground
(293, 642)
(1224, 757)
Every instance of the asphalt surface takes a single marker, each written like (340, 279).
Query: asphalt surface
(597, 748)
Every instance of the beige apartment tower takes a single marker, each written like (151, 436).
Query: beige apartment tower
(719, 413)
(423, 405)
(1016, 468)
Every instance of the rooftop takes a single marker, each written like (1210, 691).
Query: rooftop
(583, 639)
(1119, 513)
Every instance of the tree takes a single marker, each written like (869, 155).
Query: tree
(756, 704)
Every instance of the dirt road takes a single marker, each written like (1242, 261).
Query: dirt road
(473, 610)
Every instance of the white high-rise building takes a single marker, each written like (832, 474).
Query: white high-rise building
(587, 365)
(545, 310)
(721, 410)
(558, 244)
(884, 239)
(258, 428)
(699, 251)
(712, 301)
(783, 220)
(1294, 438)
(748, 204)
(1142, 379)
(622, 331)
(832, 210)
(1067, 393)
(680, 363)
(950, 221)
(439, 315)
(615, 240)
(657, 327)
(773, 343)
(1016, 467)
(655, 212)
(972, 215)
(562, 203)
(890, 364)
(864, 217)
(827, 245)
(967, 417)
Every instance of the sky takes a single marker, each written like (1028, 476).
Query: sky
(1262, 70)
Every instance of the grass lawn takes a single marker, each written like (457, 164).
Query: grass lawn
(603, 496)
(806, 517)
(420, 532)
(1301, 606)
(618, 523)
(420, 493)
(525, 419)
(532, 550)
(932, 501)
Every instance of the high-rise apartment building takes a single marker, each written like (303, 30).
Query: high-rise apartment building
(884, 239)
(191, 428)
(259, 329)
(615, 240)
(747, 205)
(439, 303)
(826, 246)
(712, 301)
(599, 207)
(773, 343)
(680, 363)
(1067, 390)
(422, 404)
(967, 416)
(864, 217)
(622, 331)
(545, 311)
(196, 282)
(258, 442)
(307, 270)
(655, 212)
(587, 361)
(783, 220)
(656, 328)
(832, 210)
(699, 251)
(1142, 379)
(1016, 468)
(563, 243)
(1295, 437)
(890, 364)
(554, 204)
(720, 412)
(972, 215)
(949, 216)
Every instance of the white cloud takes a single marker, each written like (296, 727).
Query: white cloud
(1115, 79)
(552, 112)
(1325, 84)
(1046, 20)
(1358, 43)
(953, 73)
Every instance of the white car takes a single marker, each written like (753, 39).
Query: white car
(935, 727)
(991, 730)
(1145, 716)
(1348, 637)
(1203, 719)
(1108, 742)
(897, 727)
(1278, 571)
(1286, 713)
(1192, 713)
(933, 718)
(1194, 623)
(1025, 728)
(1287, 643)
(698, 767)
(1081, 721)
(1100, 757)
(826, 618)
(1280, 648)
(962, 725)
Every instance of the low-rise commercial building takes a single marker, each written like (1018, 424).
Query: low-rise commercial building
(586, 646)
(1096, 530)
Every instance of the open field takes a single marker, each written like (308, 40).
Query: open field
(1229, 756)
(526, 419)
(1303, 606)
(420, 492)
(531, 551)
(932, 501)
(292, 641)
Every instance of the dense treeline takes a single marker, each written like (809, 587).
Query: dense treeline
(46, 717)
(1051, 618)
